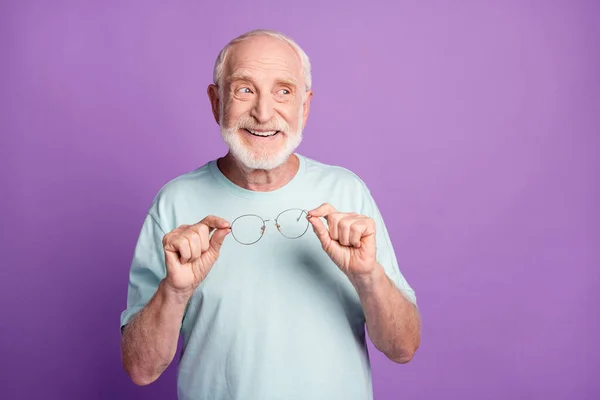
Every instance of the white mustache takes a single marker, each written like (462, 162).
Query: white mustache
(274, 125)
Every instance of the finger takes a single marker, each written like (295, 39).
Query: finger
(216, 241)
(370, 228)
(195, 243)
(319, 228)
(323, 210)
(172, 257)
(168, 238)
(333, 221)
(203, 232)
(181, 245)
(213, 222)
(344, 227)
(206, 226)
(356, 233)
(204, 242)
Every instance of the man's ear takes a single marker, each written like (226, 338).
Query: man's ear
(306, 106)
(213, 96)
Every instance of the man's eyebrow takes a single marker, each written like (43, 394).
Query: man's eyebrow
(243, 76)
(287, 80)
(240, 76)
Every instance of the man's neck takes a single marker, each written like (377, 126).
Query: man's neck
(258, 180)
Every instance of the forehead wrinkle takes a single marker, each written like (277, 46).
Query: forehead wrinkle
(265, 63)
(240, 63)
(246, 75)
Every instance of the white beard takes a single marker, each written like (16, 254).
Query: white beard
(261, 159)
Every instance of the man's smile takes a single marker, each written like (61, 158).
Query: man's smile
(261, 133)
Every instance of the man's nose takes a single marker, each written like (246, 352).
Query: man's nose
(263, 109)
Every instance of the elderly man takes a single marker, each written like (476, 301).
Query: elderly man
(267, 262)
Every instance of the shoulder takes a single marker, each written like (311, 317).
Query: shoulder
(334, 174)
(337, 185)
(180, 189)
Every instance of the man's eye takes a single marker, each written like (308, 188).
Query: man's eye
(245, 90)
(284, 91)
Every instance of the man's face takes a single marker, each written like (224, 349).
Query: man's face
(263, 104)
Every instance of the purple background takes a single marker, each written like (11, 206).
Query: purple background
(475, 126)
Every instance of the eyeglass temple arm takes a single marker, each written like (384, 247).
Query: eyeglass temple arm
(300, 216)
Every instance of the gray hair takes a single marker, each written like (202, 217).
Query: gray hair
(305, 62)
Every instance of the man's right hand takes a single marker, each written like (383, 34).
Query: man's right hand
(190, 252)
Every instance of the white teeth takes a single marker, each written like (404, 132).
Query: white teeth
(268, 133)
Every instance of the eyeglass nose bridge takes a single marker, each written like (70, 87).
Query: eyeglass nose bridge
(275, 222)
(264, 227)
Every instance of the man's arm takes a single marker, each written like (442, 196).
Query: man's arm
(149, 341)
(393, 322)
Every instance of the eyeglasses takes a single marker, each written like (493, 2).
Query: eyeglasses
(249, 228)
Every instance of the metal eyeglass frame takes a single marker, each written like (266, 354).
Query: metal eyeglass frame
(264, 225)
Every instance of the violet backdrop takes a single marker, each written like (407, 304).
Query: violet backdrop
(474, 124)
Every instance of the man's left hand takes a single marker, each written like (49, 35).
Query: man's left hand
(349, 242)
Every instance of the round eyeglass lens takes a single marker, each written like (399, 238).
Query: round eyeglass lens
(292, 223)
(248, 229)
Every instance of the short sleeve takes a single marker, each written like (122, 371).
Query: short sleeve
(147, 268)
(386, 255)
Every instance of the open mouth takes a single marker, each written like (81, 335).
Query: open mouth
(261, 133)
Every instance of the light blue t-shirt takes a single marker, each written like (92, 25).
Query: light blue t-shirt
(276, 319)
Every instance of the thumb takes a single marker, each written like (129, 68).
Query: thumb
(320, 230)
(217, 238)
